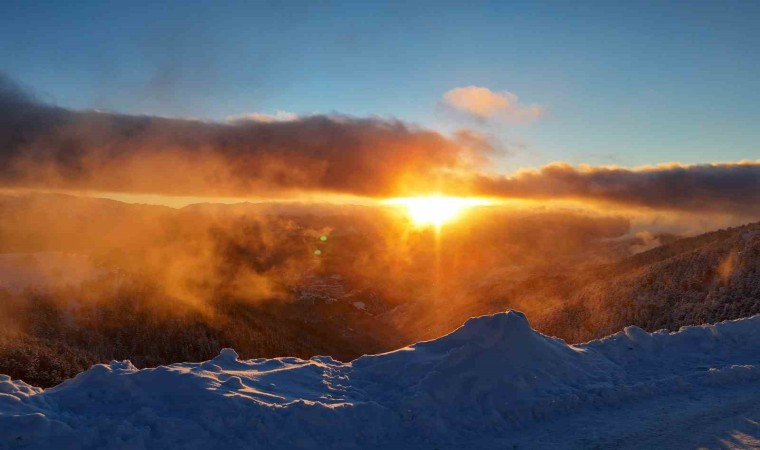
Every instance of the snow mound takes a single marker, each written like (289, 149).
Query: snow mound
(493, 363)
(486, 379)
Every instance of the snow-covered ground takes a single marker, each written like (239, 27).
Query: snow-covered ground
(492, 383)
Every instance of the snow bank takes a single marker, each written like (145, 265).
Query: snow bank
(491, 377)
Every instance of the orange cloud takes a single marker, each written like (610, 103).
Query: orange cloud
(483, 104)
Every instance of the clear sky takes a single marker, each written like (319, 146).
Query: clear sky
(627, 83)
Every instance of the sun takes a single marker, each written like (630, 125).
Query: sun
(435, 210)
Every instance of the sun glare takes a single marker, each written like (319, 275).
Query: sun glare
(435, 210)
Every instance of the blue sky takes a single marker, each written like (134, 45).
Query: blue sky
(627, 83)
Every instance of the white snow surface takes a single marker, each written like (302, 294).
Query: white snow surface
(492, 383)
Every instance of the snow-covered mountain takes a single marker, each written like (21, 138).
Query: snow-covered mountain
(85, 281)
(492, 383)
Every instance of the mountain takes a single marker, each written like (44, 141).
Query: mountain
(86, 281)
(703, 279)
(687, 281)
(493, 382)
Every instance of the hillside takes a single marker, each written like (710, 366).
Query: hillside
(707, 278)
(85, 281)
(494, 382)
(704, 279)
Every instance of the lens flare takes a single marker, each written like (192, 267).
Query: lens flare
(435, 210)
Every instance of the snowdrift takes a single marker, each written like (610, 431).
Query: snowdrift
(492, 377)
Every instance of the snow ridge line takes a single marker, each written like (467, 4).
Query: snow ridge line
(493, 374)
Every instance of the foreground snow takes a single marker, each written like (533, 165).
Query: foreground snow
(494, 382)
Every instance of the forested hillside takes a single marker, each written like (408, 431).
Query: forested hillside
(86, 280)
(704, 279)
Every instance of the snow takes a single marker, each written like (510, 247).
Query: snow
(494, 382)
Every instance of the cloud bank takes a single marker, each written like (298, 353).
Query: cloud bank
(51, 147)
(722, 187)
(48, 147)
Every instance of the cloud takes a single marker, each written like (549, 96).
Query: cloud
(279, 116)
(48, 147)
(483, 104)
(43, 146)
(721, 187)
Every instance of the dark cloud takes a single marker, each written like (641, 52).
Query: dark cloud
(44, 146)
(725, 187)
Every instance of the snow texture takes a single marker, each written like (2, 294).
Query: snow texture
(494, 382)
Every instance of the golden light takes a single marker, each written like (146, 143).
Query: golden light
(435, 210)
